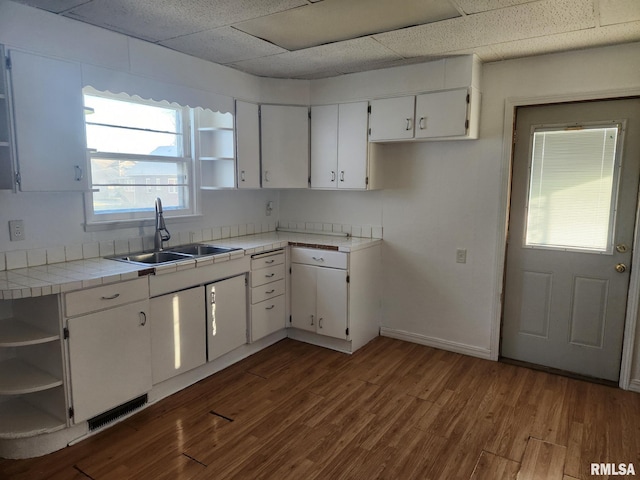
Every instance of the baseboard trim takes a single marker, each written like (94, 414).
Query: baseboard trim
(634, 386)
(456, 347)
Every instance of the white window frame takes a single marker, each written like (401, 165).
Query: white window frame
(98, 221)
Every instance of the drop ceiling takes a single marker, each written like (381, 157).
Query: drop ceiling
(310, 39)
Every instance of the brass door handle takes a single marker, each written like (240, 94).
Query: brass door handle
(621, 268)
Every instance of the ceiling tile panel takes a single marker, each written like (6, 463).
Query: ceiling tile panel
(477, 6)
(157, 20)
(352, 54)
(55, 6)
(619, 11)
(531, 20)
(223, 45)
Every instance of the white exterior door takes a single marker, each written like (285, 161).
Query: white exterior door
(573, 206)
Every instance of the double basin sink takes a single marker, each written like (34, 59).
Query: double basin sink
(174, 254)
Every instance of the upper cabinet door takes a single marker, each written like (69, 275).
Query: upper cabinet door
(352, 145)
(442, 114)
(392, 118)
(285, 146)
(324, 146)
(248, 144)
(49, 123)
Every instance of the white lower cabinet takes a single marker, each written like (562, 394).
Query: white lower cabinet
(109, 346)
(268, 306)
(319, 299)
(226, 315)
(177, 333)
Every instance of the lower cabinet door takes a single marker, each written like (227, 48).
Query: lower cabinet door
(331, 302)
(109, 358)
(267, 317)
(178, 332)
(303, 297)
(226, 316)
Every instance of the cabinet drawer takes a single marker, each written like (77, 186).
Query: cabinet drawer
(267, 317)
(267, 275)
(267, 261)
(269, 290)
(106, 296)
(319, 257)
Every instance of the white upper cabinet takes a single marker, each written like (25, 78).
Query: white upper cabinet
(392, 118)
(49, 123)
(442, 114)
(339, 148)
(248, 144)
(285, 146)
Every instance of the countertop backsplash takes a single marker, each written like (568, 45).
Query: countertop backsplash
(13, 259)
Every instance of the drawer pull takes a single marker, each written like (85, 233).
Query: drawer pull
(143, 319)
(112, 297)
(270, 275)
(269, 261)
(270, 291)
(269, 308)
(318, 259)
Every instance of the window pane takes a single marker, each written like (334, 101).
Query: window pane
(572, 189)
(112, 171)
(109, 111)
(122, 198)
(138, 142)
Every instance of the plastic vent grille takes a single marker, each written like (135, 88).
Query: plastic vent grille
(117, 412)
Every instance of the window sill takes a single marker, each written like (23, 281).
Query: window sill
(137, 223)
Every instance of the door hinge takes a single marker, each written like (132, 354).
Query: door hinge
(289, 270)
(259, 111)
(466, 124)
(71, 412)
(18, 179)
(246, 281)
(347, 332)
(369, 109)
(309, 180)
(468, 98)
(309, 113)
(366, 181)
(65, 333)
(290, 319)
(369, 132)
(7, 62)
(348, 278)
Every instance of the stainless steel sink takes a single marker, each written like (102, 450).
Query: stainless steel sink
(175, 254)
(201, 249)
(153, 258)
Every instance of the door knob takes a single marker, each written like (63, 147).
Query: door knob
(621, 268)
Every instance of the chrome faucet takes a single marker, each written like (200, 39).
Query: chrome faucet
(162, 234)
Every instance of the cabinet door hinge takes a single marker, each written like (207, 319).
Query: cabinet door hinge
(259, 111)
(246, 281)
(289, 270)
(309, 179)
(290, 319)
(366, 181)
(65, 333)
(468, 98)
(348, 278)
(369, 109)
(347, 332)
(7, 62)
(309, 113)
(18, 179)
(466, 124)
(71, 412)
(369, 132)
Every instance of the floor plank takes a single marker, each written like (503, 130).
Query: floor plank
(542, 461)
(393, 410)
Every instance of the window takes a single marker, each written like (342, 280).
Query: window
(138, 150)
(573, 188)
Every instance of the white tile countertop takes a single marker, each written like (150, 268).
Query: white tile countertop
(77, 274)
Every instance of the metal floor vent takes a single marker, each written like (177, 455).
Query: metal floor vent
(117, 412)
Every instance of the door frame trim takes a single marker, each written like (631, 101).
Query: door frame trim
(633, 299)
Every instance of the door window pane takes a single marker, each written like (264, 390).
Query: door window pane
(572, 189)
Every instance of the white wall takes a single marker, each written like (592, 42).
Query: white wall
(53, 219)
(441, 196)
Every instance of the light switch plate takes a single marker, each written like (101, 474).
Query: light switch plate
(461, 255)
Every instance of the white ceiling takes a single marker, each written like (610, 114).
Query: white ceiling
(310, 39)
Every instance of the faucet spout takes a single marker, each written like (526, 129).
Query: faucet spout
(161, 233)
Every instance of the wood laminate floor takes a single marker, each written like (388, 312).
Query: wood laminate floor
(393, 410)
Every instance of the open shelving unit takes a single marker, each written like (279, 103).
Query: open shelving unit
(32, 395)
(215, 149)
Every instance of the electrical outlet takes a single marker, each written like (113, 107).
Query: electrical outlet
(461, 255)
(269, 207)
(16, 230)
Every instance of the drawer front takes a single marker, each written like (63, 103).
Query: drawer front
(105, 296)
(267, 291)
(267, 261)
(319, 257)
(267, 317)
(267, 275)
